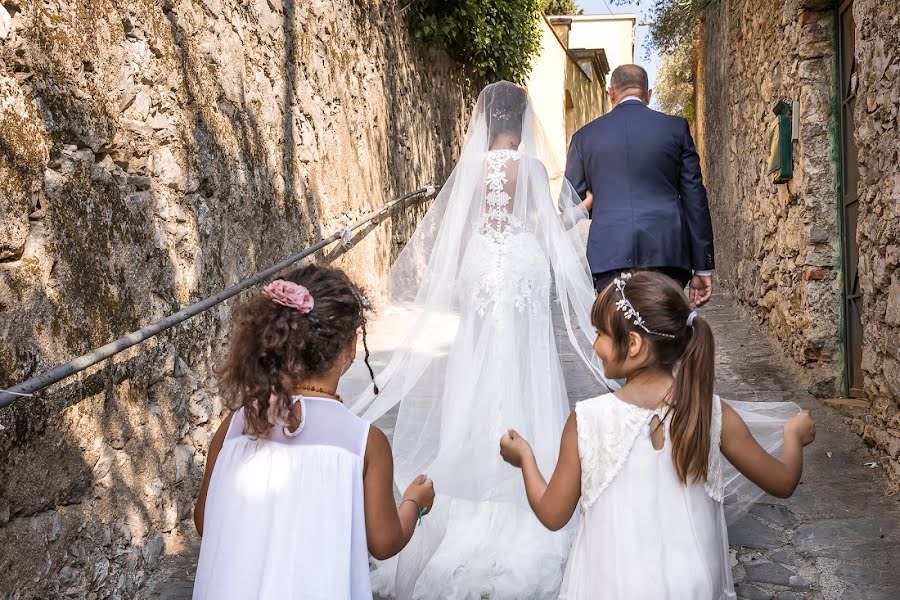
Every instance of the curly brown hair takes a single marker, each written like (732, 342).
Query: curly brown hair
(274, 347)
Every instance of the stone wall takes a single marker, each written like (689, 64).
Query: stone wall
(153, 152)
(777, 246)
(878, 142)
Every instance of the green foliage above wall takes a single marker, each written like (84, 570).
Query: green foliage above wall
(497, 39)
(561, 7)
(674, 87)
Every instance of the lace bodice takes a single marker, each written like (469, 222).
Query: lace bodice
(607, 430)
(498, 222)
(504, 272)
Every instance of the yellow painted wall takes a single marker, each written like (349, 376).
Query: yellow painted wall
(564, 97)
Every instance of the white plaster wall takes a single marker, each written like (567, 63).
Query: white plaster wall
(614, 34)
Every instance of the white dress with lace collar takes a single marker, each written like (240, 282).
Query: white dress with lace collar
(643, 535)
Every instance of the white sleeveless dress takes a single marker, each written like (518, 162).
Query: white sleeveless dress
(643, 535)
(284, 516)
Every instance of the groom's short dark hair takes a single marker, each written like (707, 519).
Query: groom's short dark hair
(626, 77)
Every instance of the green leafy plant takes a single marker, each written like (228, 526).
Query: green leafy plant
(674, 88)
(561, 7)
(672, 22)
(497, 39)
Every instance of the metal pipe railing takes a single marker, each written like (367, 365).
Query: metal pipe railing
(56, 374)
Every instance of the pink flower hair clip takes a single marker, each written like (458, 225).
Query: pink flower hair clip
(290, 294)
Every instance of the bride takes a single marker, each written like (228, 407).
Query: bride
(494, 263)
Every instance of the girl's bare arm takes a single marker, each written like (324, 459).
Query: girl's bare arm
(215, 446)
(553, 503)
(388, 528)
(777, 476)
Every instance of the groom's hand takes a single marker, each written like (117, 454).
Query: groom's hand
(700, 290)
(514, 448)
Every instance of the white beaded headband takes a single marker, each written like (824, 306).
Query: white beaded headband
(630, 313)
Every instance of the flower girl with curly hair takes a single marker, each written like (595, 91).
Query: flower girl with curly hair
(298, 491)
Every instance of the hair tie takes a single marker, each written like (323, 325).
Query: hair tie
(691, 317)
(290, 294)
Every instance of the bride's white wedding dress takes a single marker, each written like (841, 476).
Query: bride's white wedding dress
(493, 262)
(486, 543)
(496, 265)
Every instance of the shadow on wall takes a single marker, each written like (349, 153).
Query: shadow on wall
(173, 150)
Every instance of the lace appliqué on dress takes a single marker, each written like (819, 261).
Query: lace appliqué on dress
(607, 430)
(498, 228)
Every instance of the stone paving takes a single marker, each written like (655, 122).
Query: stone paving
(837, 538)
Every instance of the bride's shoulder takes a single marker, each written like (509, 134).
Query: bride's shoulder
(533, 162)
(529, 158)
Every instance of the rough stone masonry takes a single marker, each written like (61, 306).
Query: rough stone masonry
(877, 138)
(779, 245)
(153, 152)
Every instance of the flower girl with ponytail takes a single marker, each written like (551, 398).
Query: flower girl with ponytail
(647, 461)
(298, 490)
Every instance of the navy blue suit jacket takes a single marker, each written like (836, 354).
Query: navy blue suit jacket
(650, 207)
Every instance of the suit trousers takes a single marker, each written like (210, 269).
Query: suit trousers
(681, 276)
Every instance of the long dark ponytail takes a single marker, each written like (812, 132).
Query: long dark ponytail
(691, 403)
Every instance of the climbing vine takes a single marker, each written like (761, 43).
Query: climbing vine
(497, 39)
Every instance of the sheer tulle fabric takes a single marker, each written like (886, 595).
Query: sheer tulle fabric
(497, 257)
(766, 422)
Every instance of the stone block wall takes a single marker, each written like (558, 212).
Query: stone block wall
(153, 152)
(777, 245)
(878, 142)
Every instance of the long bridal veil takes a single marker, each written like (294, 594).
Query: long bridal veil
(425, 278)
(428, 282)
(489, 292)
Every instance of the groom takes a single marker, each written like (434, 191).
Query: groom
(648, 204)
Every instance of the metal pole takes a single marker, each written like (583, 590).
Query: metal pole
(39, 382)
